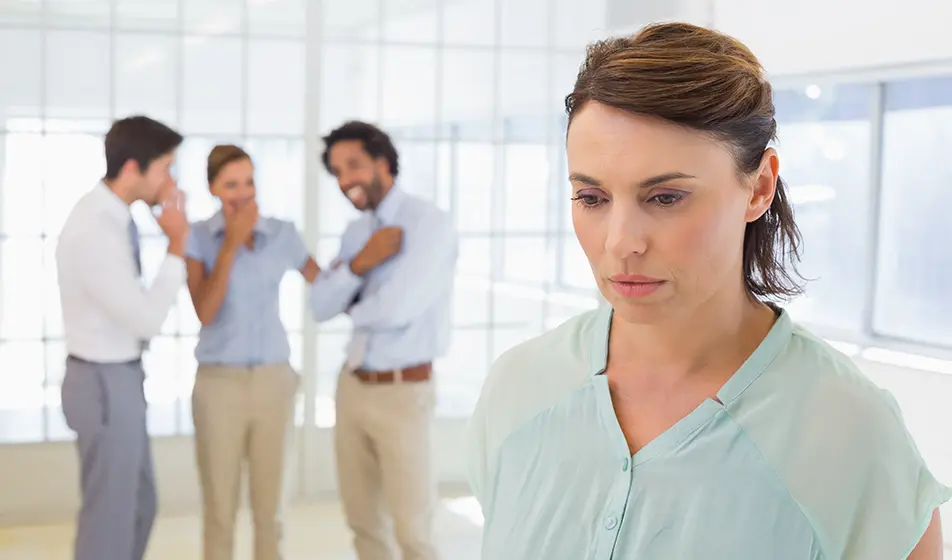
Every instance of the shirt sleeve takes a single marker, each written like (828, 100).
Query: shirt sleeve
(524, 381)
(104, 270)
(857, 475)
(424, 272)
(492, 418)
(296, 250)
(336, 285)
(477, 468)
(193, 243)
(896, 494)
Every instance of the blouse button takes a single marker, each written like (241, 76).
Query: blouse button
(611, 523)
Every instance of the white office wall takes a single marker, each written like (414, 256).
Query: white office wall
(812, 36)
(818, 36)
(626, 17)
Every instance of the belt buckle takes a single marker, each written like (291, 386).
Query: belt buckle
(398, 376)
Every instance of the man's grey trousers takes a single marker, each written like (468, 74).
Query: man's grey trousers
(105, 405)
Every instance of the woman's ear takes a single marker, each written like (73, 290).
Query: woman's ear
(763, 185)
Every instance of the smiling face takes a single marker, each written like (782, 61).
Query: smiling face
(234, 184)
(363, 179)
(660, 211)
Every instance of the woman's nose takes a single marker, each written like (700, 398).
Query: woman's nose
(627, 233)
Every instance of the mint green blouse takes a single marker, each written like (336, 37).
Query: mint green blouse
(801, 458)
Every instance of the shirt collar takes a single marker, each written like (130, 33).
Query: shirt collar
(217, 224)
(115, 206)
(386, 212)
(772, 345)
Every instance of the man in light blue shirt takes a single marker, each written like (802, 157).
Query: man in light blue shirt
(394, 278)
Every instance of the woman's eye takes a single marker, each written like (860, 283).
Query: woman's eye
(666, 199)
(587, 200)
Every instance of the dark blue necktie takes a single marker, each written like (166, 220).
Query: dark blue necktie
(137, 256)
(134, 237)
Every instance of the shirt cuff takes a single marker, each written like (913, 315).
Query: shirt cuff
(347, 275)
(338, 278)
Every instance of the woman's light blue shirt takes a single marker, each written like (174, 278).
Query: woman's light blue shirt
(802, 458)
(248, 329)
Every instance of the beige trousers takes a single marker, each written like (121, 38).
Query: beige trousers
(243, 414)
(383, 445)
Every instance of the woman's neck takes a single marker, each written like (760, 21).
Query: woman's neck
(720, 334)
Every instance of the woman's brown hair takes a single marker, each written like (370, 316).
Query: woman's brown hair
(220, 156)
(710, 82)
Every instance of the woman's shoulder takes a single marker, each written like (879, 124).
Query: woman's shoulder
(563, 352)
(278, 224)
(524, 381)
(811, 383)
(840, 447)
(199, 243)
(280, 228)
(534, 375)
(812, 368)
(205, 225)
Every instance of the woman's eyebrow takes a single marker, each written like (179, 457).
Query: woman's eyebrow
(649, 182)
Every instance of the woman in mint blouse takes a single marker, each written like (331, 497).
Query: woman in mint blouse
(691, 418)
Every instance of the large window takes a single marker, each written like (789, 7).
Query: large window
(471, 91)
(824, 140)
(914, 276)
(69, 69)
(873, 230)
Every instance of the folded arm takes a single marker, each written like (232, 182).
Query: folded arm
(336, 286)
(333, 291)
(424, 273)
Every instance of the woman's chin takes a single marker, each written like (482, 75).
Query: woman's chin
(640, 311)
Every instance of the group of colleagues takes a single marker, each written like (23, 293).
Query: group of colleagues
(690, 418)
(393, 277)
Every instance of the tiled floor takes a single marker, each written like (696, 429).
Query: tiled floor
(314, 532)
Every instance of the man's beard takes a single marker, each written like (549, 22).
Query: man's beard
(373, 191)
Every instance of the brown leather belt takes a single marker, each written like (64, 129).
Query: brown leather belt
(412, 374)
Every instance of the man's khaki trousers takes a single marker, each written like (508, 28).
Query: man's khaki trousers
(383, 445)
(243, 415)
